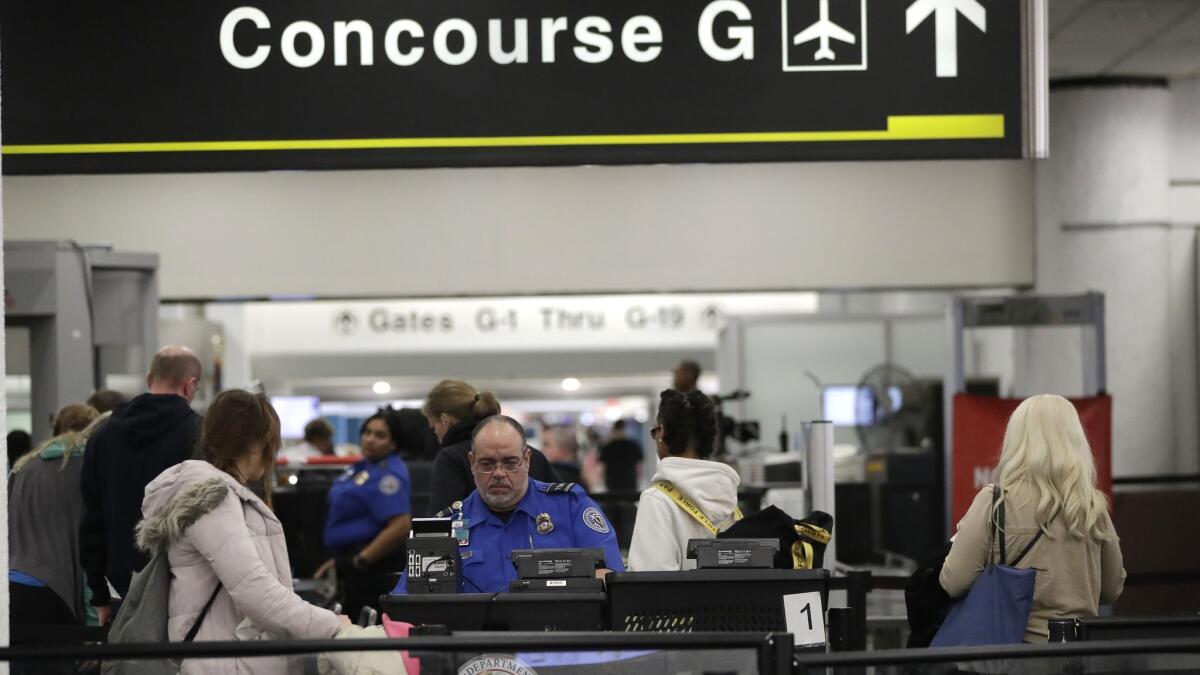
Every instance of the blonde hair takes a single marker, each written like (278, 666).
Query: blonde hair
(460, 400)
(73, 443)
(1046, 448)
(74, 417)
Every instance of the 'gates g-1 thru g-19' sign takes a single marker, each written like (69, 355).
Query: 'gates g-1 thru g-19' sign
(211, 85)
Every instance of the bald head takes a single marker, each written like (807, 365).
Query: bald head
(500, 462)
(175, 370)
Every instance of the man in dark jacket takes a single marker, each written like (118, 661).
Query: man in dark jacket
(622, 459)
(144, 437)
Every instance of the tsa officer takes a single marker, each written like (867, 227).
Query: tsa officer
(510, 511)
(370, 516)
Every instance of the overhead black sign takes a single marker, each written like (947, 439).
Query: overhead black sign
(185, 85)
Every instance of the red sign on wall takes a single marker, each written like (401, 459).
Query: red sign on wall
(979, 423)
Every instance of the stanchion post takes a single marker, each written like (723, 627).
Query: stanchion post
(776, 656)
(858, 584)
(818, 475)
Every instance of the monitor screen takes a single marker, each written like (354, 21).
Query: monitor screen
(294, 412)
(847, 405)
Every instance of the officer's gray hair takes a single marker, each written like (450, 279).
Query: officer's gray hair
(498, 419)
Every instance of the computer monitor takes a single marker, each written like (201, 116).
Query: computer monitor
(295, 412)
(708, 600)
(848, 405)
(501, 611)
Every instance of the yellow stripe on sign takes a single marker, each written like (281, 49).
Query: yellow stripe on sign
(899, 128)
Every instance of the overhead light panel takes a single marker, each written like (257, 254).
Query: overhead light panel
(381, 387)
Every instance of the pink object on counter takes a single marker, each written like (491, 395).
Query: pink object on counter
(400, 629)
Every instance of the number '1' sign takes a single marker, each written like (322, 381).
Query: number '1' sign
(805, 618)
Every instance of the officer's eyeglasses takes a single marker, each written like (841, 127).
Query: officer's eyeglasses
(509, 464)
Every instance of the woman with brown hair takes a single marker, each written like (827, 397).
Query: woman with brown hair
(453, 409)
(229, 564)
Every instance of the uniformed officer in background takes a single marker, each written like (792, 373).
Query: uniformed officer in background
(510, 511)
(370, 516)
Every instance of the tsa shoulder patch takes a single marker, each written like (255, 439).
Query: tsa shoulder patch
(389, 484)
(595, 520)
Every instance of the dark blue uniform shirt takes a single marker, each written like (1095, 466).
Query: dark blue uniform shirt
(575, 521)
(364, 499)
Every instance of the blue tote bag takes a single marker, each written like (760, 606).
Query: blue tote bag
(996, 609)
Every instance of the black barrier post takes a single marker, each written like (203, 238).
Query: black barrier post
(775, 654)
(858, 583)
(838, 628)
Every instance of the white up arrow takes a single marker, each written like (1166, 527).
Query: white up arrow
(946, 27)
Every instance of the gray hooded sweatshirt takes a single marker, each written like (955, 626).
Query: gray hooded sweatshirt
(44, 510)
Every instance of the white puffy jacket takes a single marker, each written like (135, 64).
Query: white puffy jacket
(662, 529)
(217, 529)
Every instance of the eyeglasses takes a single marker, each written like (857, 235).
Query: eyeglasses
(489, 466)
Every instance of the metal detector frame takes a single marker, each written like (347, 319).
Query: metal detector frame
(89, 309)
(1020, 311)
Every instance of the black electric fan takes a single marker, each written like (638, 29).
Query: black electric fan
(891, 410)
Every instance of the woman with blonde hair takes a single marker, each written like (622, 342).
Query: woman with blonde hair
(1047, 484)
(45, 579)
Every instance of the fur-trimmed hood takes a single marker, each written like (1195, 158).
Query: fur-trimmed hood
(215, 530)
(179, 497)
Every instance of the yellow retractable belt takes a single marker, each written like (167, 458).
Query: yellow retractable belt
(680, 499)
(802, 551)
(802, 555)
(817, 534)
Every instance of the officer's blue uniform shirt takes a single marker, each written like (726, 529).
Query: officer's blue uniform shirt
(575, 522)
(364, 499)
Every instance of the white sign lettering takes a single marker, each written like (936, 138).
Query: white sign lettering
(615, 322)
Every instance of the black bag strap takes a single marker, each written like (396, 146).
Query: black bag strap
(203, 613)
(997, 523)
(1029, 546)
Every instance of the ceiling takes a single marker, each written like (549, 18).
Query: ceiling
(1159, 38)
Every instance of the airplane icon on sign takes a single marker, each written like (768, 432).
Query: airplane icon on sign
(823, 30)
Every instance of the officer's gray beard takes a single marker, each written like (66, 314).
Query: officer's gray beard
(504, 502)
